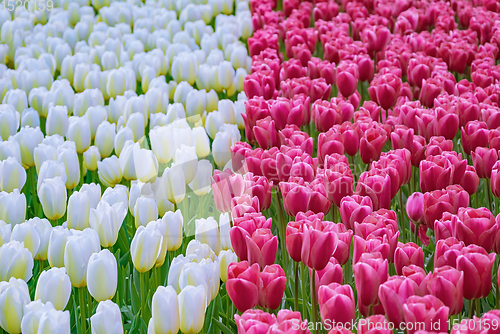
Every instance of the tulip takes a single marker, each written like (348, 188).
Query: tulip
(439, 201)
(26, 234)
(102, 275)
(174, 183)
(185, 157)
(192, 304)
(336, 303)
(54, 286)
(12, 207)
(5, 232)
(109, 171)
(78, 211)
(477, 274)
(184, 67)
(104, 138)
(145, 247)
(32, 315)
(107, 319)
(376, 187)
(408, 254)
(483, 160)
(9, 118)
(347, 78)
(10, 148)
(145, 211)
(28, 138)
(164, 303)
(427, 310)
(476, 227)
(261, 247)
(371, 144)
(318, 245)
(201, 184)
(242, 285)
(415, 208)
(68, 157)
(226, 257)
(17, 260)
(14, 295)
(475, 134)
(202, 142)
(90, 158)
(79, 132)
(77, 252)
(354, 209)
(495, 178)
(107, 220)
(207, 231)
(446, 283)
(369, 273)
(255, 321)
(393, 294)
(53, 197)
(272, 282)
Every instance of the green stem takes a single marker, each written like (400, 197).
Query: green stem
(304, 298)
(143, 295)
(34, 195)
(415, 235)
(83, 307)
(282, 230)
(471, 308)
(354, 174)
(314, 302)
(488, 188)
(403, 213)
(478, 307)
(82, 173)
(296, 294)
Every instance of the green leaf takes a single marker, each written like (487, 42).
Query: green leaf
(221, 326)
(134, 296)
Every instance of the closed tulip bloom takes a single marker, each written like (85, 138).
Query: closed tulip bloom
(415, 208)
(173, 234)
(9, 119)
(28, 138)
(17, 261)
(476, 227)
(256, 321)
(318, 245)
(54, 286)
(122, 136)
(77, 252)
(32, 315)
(12, 207)
(43, 153)
(107, 319)
(54, 321)
(145, 247)
(57, 121)
(201, 183)
(408, 254)
(26, 234)
(393, 294)
(261, 247)
(484, 159)
(477, 269)
(90, 158)
(446, 283)
(104, 138)
(57, 243)
(165, 311)
(53, 197)
(371, 144)
(369, 273)
(116, 83)
(226, 257)
(336, 303)
(192, 305)
(78, 211)
(109, 171)
(10, 148)
(354, 209)
(175, 184)
(242, 285)
(428, 310)
(184, 67)
(221, 148)
(207, 231)
(79, 132)
(107, 220)
(14, 295)
(145, 211)
(272, 282)
(12, 175)
(185, 157)
(161, 139)
(193, 274)
(102, 275)
(68, 157)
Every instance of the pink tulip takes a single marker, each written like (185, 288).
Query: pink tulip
(446, 283)
(242, 285)
(371, 144)
(470, 180)
(476, 226)
(419, 276)
(439, 201)
(244, 227)
(347, 78)
(444, 228)
(339, 183)
(260, 84)
(354, 209)
(436, 173)
(262, 247)
(374, 324)
(385, 89)
(336, 303)
(437, 145)
(244, 204)
(474, 134)
(285, 111)
(292, 68)
(428, 310)
(289, 322)
(372, 245)
(484, 159)
(332, 273)
(447, 251)
(393, 294)
(272, 282)
(377, 187)
(292, 136)
(418, 150)
(402, 137)
(299, 196)
(494, 139)
(319, 244)
(318, 68)
(265, 133)
(344, 243)
(294, 239)
(225, 186)
(369, 273)
(328, 143)
(260, 187)
(407, 254)
(477, 274)
(415, 208)
(350, 138)
(254, 322)
(376, 38)
(495, 179)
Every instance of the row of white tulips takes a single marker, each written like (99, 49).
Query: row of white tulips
(141, 101)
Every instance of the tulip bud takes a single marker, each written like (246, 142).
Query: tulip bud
(109, 171)
(26, 234)
(32, 314)
(53, 197)
(186, 159)
(77, 253)
(57, 243)
(28, 139)
(12, 175)
(57, 121)
(145, 211)
(145, 247)
(184, 67)
(116, 83)
(165, 311)
(54, 286)
(68, 157)
(78, 211)
(161, 137)
(175, 185)
(192, 305)
(14, 295)
(202, 142)
(105, 138)
(102, 275)
(10, 148)
(17, 261)
(12, 207)
(9, 119)
(107, 219)
(79, 132)
(226, 257)
(43, 228)
(207, 231)
(107, 319)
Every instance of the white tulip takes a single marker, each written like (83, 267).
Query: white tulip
(54, 286)
(207, 231)
(12, 175)
(201, 183)
(145, 211)
(14, 295)
(109, 171)
(165, 311)
(124, 134)
(79, 132)
(26, 234)
(145, 247)
(226, 257)
(107, 319)
(104, 138)
(90, 158)
(53, 197)
(175, 184)
(10, 148)
(69, 158)
(106, 220)
(57, 121)
(161, 137)
(192, 306)
(102, 275)
(17, 261)
(78, 211)
(28, 139)
(12, 207)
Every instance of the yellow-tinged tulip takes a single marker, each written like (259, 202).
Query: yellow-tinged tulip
(116, 84)
(175, 184)
(53, 197)
(14, 295)
(79, 132)
(145, 247)
(106, 220)
(201, 183)
(54, 322)
(123, 135)
(185, 67)
(226, 257)
(107, 319)
(192, 305)
(109, 171)
(54, 286)
(32, 313)
(102, 275)
(224, 228)
(16, 260)
(207, 232)
(202, 251)
(28, 138)
(90, 158)
(78, 211)
(185, 157)
(30, 118)
(10, 148)
(57, 243)
(104, 138)
(77, 253)
(225, 74)
(57, 121)
(12, 175)
(26, 234)
(96, 115)
(165, 312)
(145, 211)
(69, 158)
(161, 139)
